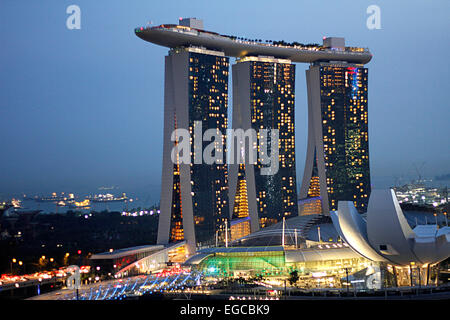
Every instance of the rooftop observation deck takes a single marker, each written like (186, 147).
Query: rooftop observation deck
(173, 36)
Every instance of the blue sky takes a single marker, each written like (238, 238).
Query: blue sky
(84, 108)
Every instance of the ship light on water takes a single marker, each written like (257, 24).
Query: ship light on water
(16, 203)
(84, 203)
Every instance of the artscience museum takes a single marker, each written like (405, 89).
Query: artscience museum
(386, 236)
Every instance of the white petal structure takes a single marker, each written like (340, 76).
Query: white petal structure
(389, 232)
(352, 229)
(387, 236)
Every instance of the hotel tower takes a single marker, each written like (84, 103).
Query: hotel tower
(194, 196)
(337, 162)
(264, 98)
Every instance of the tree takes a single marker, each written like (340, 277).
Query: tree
(293, 277)
(42, 263)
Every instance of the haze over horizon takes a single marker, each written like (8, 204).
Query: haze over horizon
(80, 109)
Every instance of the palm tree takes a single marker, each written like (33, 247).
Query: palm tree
(293, 277)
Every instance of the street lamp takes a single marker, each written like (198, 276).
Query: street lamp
(14, 260)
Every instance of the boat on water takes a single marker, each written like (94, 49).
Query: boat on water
(55, 198)
(61, 204)
(85, 204)
(108, 198)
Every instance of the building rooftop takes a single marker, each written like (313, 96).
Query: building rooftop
(114, 254)
(294, 227)
(173, 36)
(321, 253)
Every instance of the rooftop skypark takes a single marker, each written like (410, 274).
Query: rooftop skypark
(332, 49)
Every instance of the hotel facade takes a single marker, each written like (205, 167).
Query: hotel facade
(264, 98)
(337, 161)
(193, 195)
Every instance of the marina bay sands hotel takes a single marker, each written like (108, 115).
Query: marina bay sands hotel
(206, 203)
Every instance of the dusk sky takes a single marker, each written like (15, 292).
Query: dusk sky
(80, 109)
